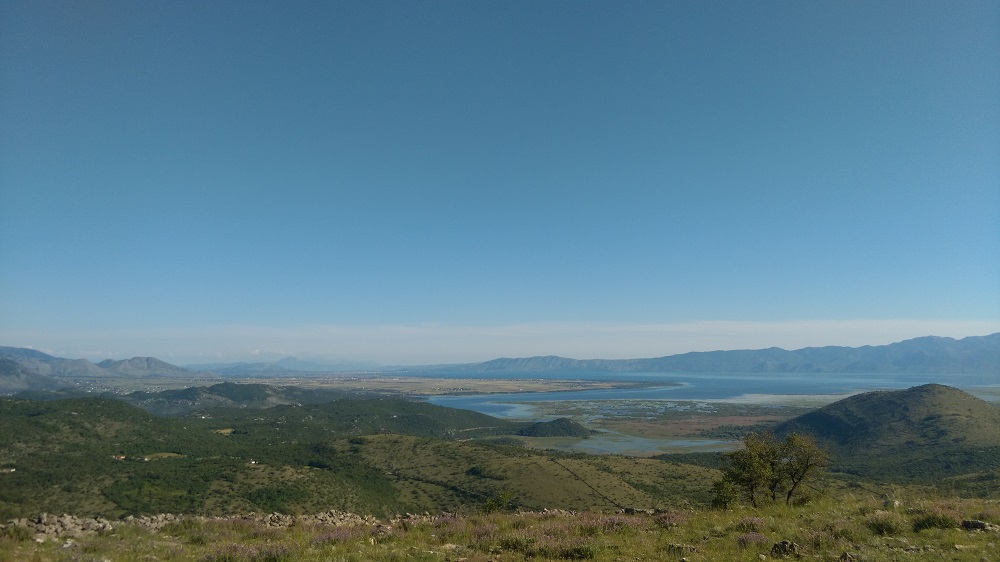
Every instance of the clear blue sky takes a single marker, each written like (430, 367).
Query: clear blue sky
(450, 181)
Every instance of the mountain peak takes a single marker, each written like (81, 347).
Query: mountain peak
(142, 367)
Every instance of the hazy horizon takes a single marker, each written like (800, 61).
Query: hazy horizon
(413, 183)
(481, 343)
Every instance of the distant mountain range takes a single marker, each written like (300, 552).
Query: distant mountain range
(977, 355)
(971, 355)
(289, 366)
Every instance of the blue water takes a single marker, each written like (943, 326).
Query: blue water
(700, 386)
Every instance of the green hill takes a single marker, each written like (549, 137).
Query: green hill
(562, 427)
(924, 433)
(99, 456)
(350, 417)
(227, 395)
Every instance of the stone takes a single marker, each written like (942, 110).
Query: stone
(786, 548)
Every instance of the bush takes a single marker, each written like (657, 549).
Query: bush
(750, 524)
(751, 539)
(565, 550)
(252, 553)
(670, 519)
(936, 520)
(15, 533)
(725, 494)
(517, 543)
(886, 523)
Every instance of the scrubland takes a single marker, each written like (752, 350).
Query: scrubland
(855, 525)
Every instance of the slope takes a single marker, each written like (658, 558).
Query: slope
(922, 433)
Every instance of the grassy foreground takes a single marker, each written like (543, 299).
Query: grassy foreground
(850, 527)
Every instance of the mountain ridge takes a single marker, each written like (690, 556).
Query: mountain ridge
(977, 355)
(927, 354)
(143, 367)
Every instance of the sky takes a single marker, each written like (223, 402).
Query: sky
(431, 182)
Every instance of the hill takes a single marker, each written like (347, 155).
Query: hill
(922, 433)
(971, 355)
(144, 367)
(351, 417)
(15, 378)
(562, 427)
(100, 456)
(227, 395)
(43, 364)
(49, 366)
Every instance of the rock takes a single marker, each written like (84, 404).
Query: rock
(786, 548)
(677, 549)
(977, 525)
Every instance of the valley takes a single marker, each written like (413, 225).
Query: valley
(381, 445)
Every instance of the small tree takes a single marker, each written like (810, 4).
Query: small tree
(800, 459)
(768, 468)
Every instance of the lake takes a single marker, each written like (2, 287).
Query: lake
(704, 386)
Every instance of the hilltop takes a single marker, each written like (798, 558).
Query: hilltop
(143, 367)
(928, 431)
(67, 371)
(561, 427)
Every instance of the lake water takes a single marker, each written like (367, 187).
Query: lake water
(701, 386)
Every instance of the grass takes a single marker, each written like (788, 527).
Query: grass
(920, 528)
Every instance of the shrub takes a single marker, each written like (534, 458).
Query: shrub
(15, 533)
(484, 533)
(565, 550)
(517, 543)
(936, 520)
(751, 539)
(840, 531)
(670, 519)
(503, 501)
(750, 524)
(886, 523)
(725, 494)
(340, 535)
(989, 515)
(252, 553)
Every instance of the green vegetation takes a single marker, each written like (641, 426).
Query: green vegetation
(98, 456)
(769, 469)
(930, 434)
(562, 427)
(382, 457)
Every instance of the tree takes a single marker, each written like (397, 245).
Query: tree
(801, 458)
(766, 468)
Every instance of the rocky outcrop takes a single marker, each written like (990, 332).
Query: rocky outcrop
(977, 525)
(52, 527)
